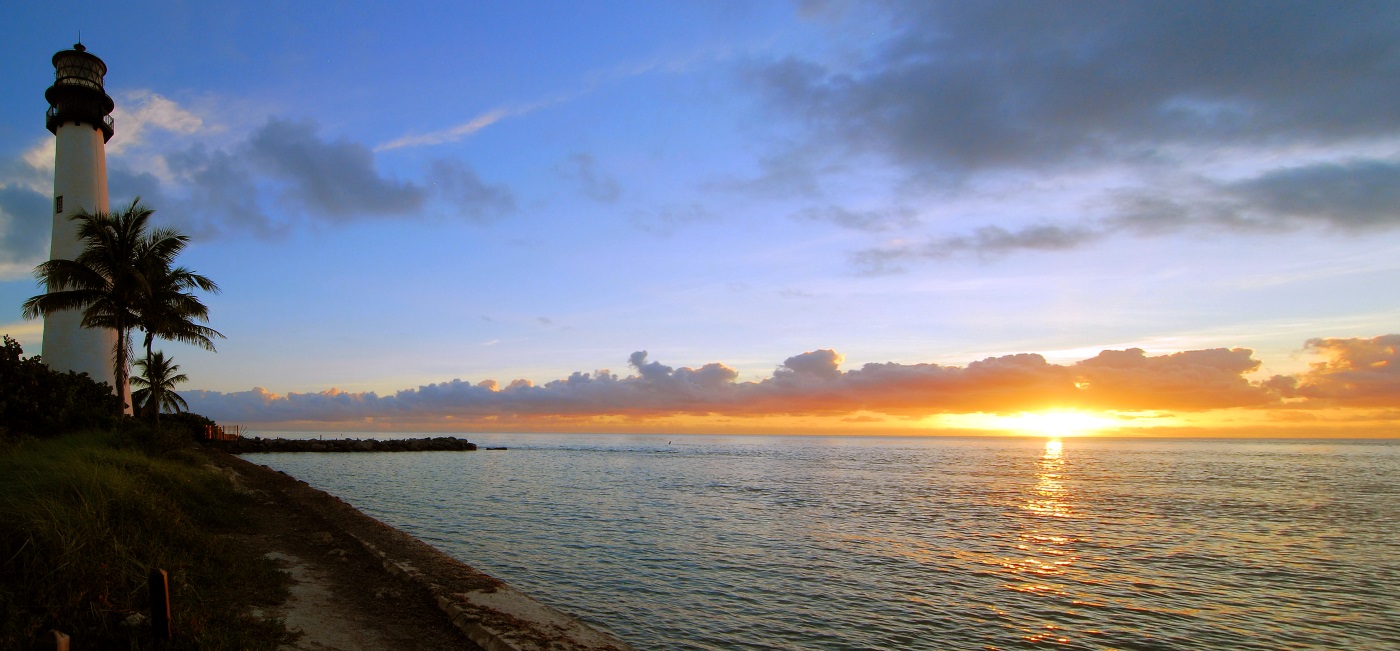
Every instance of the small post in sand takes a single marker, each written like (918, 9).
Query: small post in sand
(160, 605)
(53, 641)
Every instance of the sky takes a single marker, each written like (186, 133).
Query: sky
(1177, 218)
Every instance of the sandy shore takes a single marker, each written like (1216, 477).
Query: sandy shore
(360, 584)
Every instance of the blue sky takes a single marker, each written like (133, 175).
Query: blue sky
(392, 198)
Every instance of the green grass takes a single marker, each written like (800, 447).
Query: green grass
(83, 520)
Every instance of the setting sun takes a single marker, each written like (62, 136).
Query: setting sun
(1060, 423)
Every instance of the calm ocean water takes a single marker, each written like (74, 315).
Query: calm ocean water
(701, 542)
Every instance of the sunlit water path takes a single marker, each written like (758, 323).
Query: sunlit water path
(914, 543)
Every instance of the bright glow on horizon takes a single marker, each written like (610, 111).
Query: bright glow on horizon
(1053, 423)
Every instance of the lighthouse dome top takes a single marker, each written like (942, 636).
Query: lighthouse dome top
(76, 67)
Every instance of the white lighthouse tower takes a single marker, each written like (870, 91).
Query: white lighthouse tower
(79, 118)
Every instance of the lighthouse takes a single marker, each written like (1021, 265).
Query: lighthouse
(79, 117)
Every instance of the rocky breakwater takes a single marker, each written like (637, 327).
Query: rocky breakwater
(259, 444)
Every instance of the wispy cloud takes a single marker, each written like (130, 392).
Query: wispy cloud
(462, 130)
(591, 82)
(142, 112)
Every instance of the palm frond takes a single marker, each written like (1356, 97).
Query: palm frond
(125, 278)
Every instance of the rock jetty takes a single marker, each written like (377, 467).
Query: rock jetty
(259, 444)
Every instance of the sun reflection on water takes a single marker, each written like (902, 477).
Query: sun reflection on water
(1049, 497)
(1046, 547)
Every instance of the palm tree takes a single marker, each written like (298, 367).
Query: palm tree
(166, 307)
(125, 279)
(158, 379)
(101, 281)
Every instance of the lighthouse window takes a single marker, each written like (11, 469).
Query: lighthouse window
(58, 204)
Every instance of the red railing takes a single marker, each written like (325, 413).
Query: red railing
(223, 432)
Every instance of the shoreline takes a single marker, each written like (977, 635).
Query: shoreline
(484, 609)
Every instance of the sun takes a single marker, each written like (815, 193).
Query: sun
(1057, 423)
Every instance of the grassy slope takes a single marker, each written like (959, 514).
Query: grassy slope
(83, 520)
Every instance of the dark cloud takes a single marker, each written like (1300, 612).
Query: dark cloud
(1360, 195)
(962, 92)
(213, 194)
(217, 191)
(26, 218)
(969, 85)
(458, 184)
(222, 193)
(987, 242)
(592, 182)
(1149, 213)
(336, 180)
(1353, 197)
(996, 240)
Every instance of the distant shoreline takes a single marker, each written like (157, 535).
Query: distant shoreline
(258, 444)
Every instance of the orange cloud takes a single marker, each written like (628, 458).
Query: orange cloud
(813, 385)
(1187, 381)
(1356, 373)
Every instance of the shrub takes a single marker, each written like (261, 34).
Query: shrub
(188, 424)
(38, 401)
(172, 437)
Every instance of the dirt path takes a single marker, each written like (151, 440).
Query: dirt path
(366, 585)
(342, 598)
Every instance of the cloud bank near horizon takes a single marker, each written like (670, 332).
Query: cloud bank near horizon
(1354, 373)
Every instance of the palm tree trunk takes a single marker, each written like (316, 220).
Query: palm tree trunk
(152, 406)
(121, 365)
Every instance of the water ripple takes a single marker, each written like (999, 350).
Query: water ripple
(789, 543)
